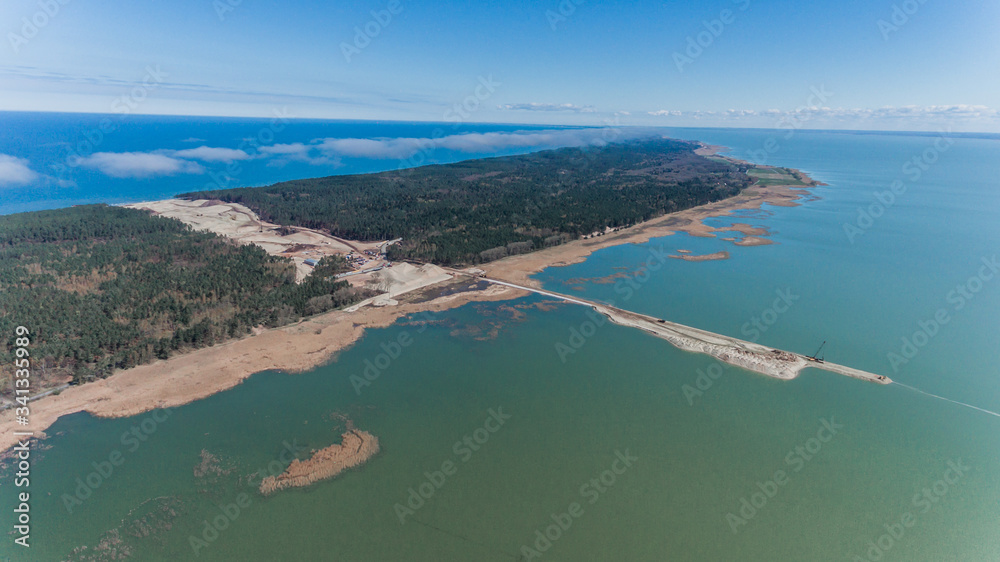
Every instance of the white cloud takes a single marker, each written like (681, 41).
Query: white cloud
(548, 107)
(212, 154)
(160, 162)
(15, 171)
(401, 148)
(193, 139)
(293, 148)
(917, 114)
(139, 164)
(487, 142)
(297, 152)
(330, 151)
(371, 148)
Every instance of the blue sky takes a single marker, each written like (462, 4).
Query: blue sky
(856, 64)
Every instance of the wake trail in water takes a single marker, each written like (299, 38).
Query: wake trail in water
(947, 399)
(467, 539)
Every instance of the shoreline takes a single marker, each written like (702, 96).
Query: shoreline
(315, 341)
(198, 374)
(758, 358)
(518, 269)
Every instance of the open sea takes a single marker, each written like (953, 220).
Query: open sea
(614, 445)
(68, 153)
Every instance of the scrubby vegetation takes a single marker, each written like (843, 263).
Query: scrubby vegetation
(103, 288)
(481, 210)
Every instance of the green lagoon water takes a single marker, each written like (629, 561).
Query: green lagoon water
(619, 391)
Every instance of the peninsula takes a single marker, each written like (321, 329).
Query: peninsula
(640, 185)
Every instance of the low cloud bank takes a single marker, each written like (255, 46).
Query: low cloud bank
(139, 164)
(909, 112)
(15, 171)
(329, 149)
(548, 107)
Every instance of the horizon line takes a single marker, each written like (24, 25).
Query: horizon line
(979, 134)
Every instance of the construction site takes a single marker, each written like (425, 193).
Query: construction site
(371, 269)
(304, 246)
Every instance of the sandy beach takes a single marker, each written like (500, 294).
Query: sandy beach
(304, 345)
(191, 376)
(518, 269)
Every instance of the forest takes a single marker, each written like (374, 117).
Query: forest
(102, 288)
(481, 210)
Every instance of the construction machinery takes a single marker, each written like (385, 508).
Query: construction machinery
(814, 357)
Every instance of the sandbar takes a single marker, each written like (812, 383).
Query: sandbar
(703, 257)
(355, 448)
(754, 241)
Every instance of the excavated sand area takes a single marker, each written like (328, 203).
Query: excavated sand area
(239, 223)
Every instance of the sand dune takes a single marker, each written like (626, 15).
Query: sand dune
(239, 223)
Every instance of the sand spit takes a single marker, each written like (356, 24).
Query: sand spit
(312, 342)
(355, 448)
(753, 357)
(748, 355)
(708, 149)
(518, 269)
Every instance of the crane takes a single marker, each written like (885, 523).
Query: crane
(813, 356)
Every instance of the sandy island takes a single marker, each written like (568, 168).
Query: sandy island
(311, 342)
(355, 448)
(702, 257)
(753, 241)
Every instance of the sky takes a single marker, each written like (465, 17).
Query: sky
(850, 64)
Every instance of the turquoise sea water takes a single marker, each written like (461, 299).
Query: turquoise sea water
(841, 494)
